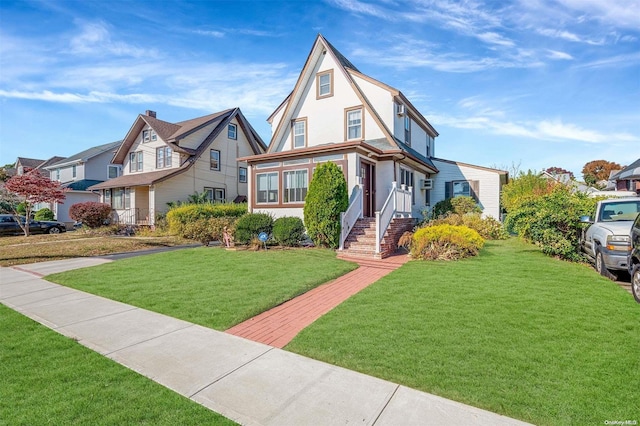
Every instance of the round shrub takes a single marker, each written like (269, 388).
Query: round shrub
(178, 217)
(90, 213)
(252, 224)
(326, 199)
(44, 214)
(442, 208)
(288, 231)
(458, 205)
(445, 242)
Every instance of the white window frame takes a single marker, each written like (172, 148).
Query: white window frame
(146, 136)
(74, 171)
(297, 135)
(354, 124)
(242, 174)
(232, 131)
(115, 167)
(271, 195)
(163, 157)
(211, 160)
(297, 192)
(407, 129)
(216, 195)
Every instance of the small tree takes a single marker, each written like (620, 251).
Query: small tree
(597, 170)
(326, 199)
(32, 187)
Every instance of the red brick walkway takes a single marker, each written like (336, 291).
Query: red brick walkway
(278, 326)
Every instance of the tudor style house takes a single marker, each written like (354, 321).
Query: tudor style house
(382, 143)
(165, 162)
(80, 171)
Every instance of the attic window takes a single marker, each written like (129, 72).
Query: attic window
(148, 135)
(324, 84)
(232, 131)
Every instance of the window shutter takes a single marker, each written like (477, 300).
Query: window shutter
(448, 190)
(475, 190)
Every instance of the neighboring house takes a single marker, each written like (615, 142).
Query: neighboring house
(166, 162)
(628, 179)
(80, 171)
(23, 165)
(383, 144)
(565, 179)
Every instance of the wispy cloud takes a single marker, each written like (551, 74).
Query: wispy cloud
(554, 54)
(625, 60)
(547, 129)
(95, 39)
(210, 33)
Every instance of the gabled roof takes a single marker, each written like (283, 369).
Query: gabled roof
(179, 130)
(349, 71)
(32, 163)
(85, 155)
(632, 171)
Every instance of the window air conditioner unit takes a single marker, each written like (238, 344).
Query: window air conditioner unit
(400, 109)
(426, 183)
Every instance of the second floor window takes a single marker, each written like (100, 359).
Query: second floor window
(214, 160)
(299, 134)
(135, 161)
(354, 124)
(163, 157)
(113, 171)
(242, 174)
(232, 131)
(407, 130)
(148, 135)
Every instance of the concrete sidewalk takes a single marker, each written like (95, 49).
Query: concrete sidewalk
(248, 382)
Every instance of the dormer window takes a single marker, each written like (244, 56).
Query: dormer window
(324, 84)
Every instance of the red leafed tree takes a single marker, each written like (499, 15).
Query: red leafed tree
(34, 188)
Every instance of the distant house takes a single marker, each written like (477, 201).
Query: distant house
(628, 179)
(80, 171)
(383, 144)
(23, 165)
(165, 162)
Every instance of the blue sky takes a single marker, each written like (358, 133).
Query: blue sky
(533, 83)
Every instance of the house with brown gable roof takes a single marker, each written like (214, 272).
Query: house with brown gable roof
(164, 162)
(381, 141)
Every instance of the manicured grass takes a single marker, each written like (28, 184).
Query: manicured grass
(42, 248)
(209, 286)
(46, 378)
(511, 331)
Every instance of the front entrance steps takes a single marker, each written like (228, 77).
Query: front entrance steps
(361, 242)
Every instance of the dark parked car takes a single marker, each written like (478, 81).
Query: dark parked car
(634, 258)
(9, 226)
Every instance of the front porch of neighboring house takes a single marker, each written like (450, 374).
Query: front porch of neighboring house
(131, 206)
(375, 234)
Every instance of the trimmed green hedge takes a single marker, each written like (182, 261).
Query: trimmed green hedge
(179, 217)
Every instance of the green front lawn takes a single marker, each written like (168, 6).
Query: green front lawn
(46, 378)
(209, 286)
(511, 331)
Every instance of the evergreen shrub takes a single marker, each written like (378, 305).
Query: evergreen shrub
(288, 231)
(326, 199)
(44, 214)
(251, 225)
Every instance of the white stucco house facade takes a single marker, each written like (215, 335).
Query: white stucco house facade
(165, 162)
(383, 144)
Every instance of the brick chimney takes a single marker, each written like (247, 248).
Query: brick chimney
(150, 113)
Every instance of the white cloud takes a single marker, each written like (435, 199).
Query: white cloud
(95, 40)
(210, 33)
(554, 54)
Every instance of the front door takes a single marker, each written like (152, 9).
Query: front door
(368, 175)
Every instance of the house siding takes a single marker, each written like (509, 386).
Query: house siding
(489, 185)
